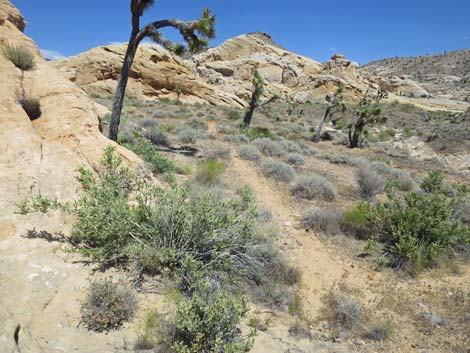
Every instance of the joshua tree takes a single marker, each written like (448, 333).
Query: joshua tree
(368, 112)
(258, 90)
(195, 33)
(335, 105)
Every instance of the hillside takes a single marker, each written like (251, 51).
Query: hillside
(222, 75)
(193, 235)
(446, 74)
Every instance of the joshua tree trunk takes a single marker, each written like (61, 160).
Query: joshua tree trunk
(320, 125)
(121, 87)
(248, 117)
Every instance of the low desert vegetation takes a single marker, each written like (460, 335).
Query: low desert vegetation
(249, 153)
(417, 228)
(209, 171)
(201, 241)
(312, 186)
(269, 147)
(107, 305)
(21, 57)
(325, 220)
(370, 182)
(278, 170)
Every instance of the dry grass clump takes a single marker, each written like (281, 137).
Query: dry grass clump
(249, 153)
(295, 159)
(325, 220)
(369, 181)
(107, 305)
(278, 170)
(269, 147)
(20, 56)
(313, 186)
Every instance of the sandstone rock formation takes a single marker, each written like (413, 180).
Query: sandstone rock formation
(155, 73)
(39, 290)
(42, 156)
(222, 75)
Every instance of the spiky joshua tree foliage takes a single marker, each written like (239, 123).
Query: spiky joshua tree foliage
(257, 93)
(335, 105)
(368, 113)
(195, 33)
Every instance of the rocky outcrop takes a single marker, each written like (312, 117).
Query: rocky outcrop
(222, 75)
(155, 73)
(39, 289)
(42, 156)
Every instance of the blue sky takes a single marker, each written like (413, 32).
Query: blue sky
(363, 30)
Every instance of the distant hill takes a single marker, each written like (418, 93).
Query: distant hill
(446, 74)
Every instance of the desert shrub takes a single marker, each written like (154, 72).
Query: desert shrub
(219, 152)
(187, 135)
(269, 147)
(250, 153)
(462, 210)
(234, 115)
(339, 159)
(370, 182)
(197, 124)
(313, 186)
(419, 227)
(402, 180)
(39, 203)
(209, 171)
(254, 133)
(158, 137)
(360, 220)
(104, 218)
(278, 170)
(416, 228)
(20, 56)
(208, 322)
(154, 331)
(342, 308)
(226, 129)
(325, 220)
(107, 305)
(155, 160)
(237, 138)
(148, 123)
(207, 233)
(31, 106)
(295, 159)
(381, 330)
(387, 134)
(380, 167)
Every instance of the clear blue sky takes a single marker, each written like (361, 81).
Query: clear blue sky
(363, 30)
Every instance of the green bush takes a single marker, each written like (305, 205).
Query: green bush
(209, 171)
(259, 132)
(107, 305)
(190, 233)
(360, 220)
(419, 227)
(416, 228)
(154, 331)
(313, 186)
(208, 322)
(156, 161)
(21, 57)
